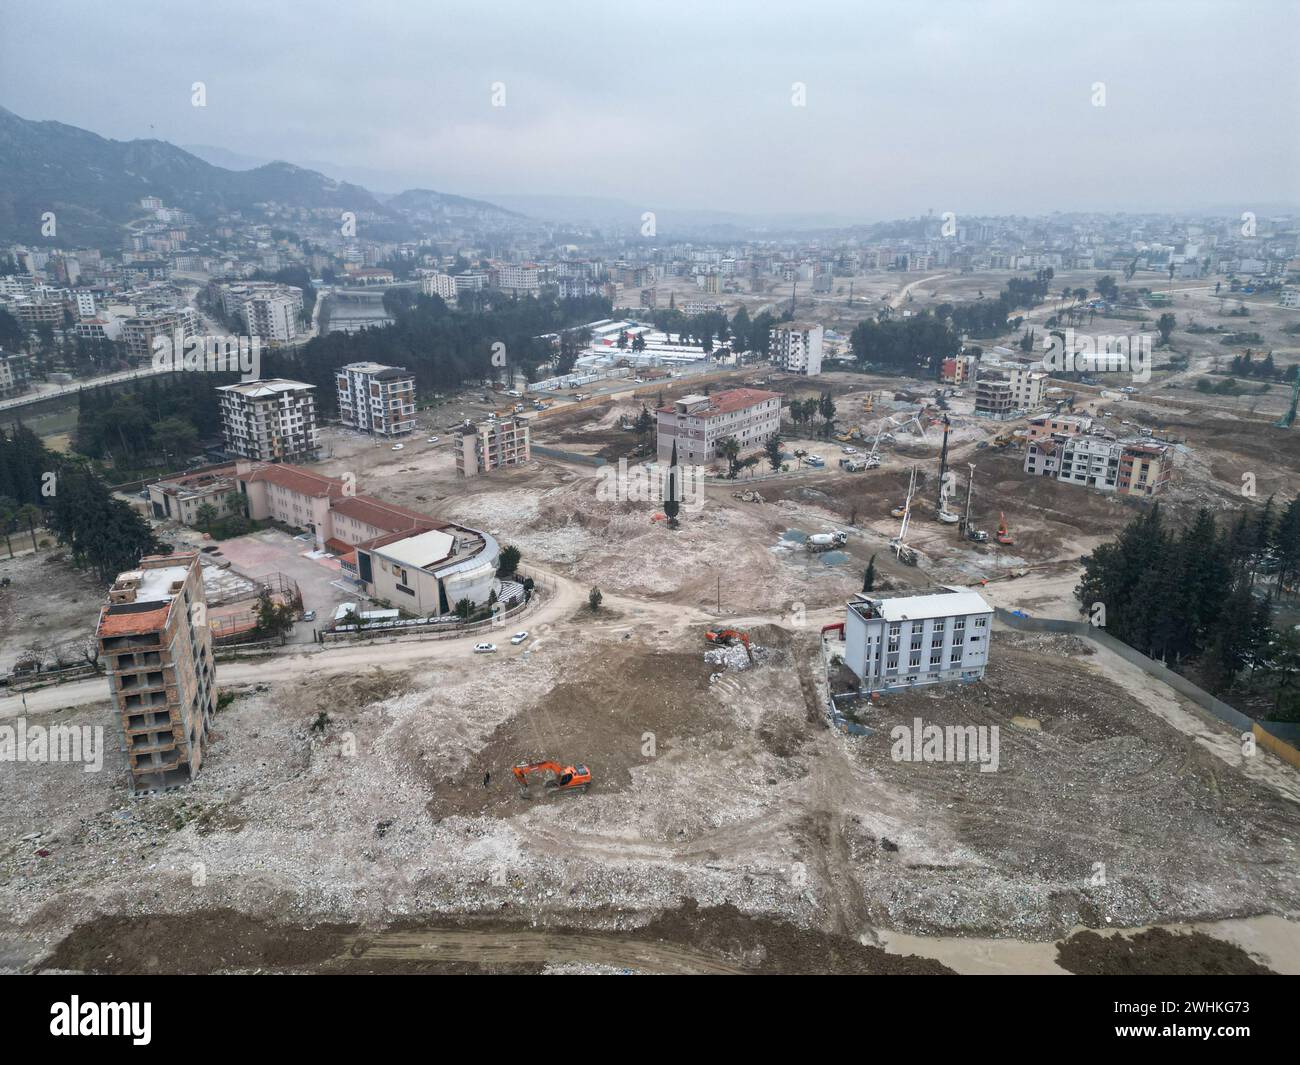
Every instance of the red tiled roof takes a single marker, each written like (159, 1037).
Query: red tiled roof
(132, 623)
(733, 399)
(381, 515)
(296, 479)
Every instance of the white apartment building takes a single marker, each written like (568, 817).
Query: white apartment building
(376, 399)
(519, 280)
(1026, 386)
(443, 285)
(697, 423)
(273, 318)
(916, 640)
(492, 445)
(270, 421)
(1091, 461)
(796, 347)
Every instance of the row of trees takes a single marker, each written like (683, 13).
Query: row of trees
(1201, 595)
(102, 532)
(443, 348)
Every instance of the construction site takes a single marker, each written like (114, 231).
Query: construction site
(651, 780)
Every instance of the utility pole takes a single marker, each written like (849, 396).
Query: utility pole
(943, 465)
(964, 526)
(719, 595)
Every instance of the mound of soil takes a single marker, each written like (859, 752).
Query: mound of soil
(1155, 952)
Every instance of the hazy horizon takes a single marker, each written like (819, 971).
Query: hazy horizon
(981, 108)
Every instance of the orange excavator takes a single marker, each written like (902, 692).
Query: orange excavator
(1004, 534)
(560, 777)
(726, 637)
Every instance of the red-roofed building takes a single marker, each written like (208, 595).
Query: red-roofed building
(697, 423)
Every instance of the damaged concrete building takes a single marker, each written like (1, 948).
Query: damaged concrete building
(157, 649)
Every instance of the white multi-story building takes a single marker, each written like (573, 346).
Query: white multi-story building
(443, 285)
(1091, 461)
(1026, 386)
(696, 424)
(273, 317)
(270, 421)
(915, 640)
(796, 347)
(519, 280)
(377, 399)
(492, 445)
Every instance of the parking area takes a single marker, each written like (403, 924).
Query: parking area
(273, 551)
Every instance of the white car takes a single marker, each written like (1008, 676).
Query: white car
(849, 450)
(484, 648)
(519, 637)
(398, 447)
(433, 439)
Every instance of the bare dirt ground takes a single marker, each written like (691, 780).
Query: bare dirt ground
(342, 823)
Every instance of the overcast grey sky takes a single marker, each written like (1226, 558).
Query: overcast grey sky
(977, 107)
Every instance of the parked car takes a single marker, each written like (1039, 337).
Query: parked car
(309, 615)
(519, 637)
(849, 450)
(398, 447)
(433, 439)
(484, 648)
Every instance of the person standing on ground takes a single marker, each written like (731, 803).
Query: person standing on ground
(487, 778)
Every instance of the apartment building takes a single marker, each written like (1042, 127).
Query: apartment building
(1026, 387)
(156, 647)
(1043, 455)
(15, 374)
(1145, 469)
(492, 445)
(697, 423)
(443, 285)
(1091, 461)
(796, 347)
(273, 317)
(376, 399)
(993, 397)
(917, 640)
(269, 421)
(519, 280)
(958, 369)
(177, 324)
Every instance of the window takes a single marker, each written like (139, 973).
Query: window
(981, 623)
(914, 661)
(891, 662)
(959, 625)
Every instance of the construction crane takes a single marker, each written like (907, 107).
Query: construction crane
(560, 777)
(943, 513)
(979, 536)
(1288, 419)
(898, 544)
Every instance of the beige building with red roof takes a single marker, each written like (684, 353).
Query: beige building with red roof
(697, 423)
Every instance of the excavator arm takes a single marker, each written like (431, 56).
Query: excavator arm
(560, 777)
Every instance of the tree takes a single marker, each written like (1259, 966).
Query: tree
(826, 408)
(729, 449)
(773, 449)
(1165, 324)
(464, 608)
(594, 599)
(869, 577)
(508, 562)
(274, 620)
(205, 516)
(29, 515)
(672, 505)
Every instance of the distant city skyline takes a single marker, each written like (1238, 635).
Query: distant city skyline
(982, 108)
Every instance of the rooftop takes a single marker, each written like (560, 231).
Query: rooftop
(259, 389)
(913, 607)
